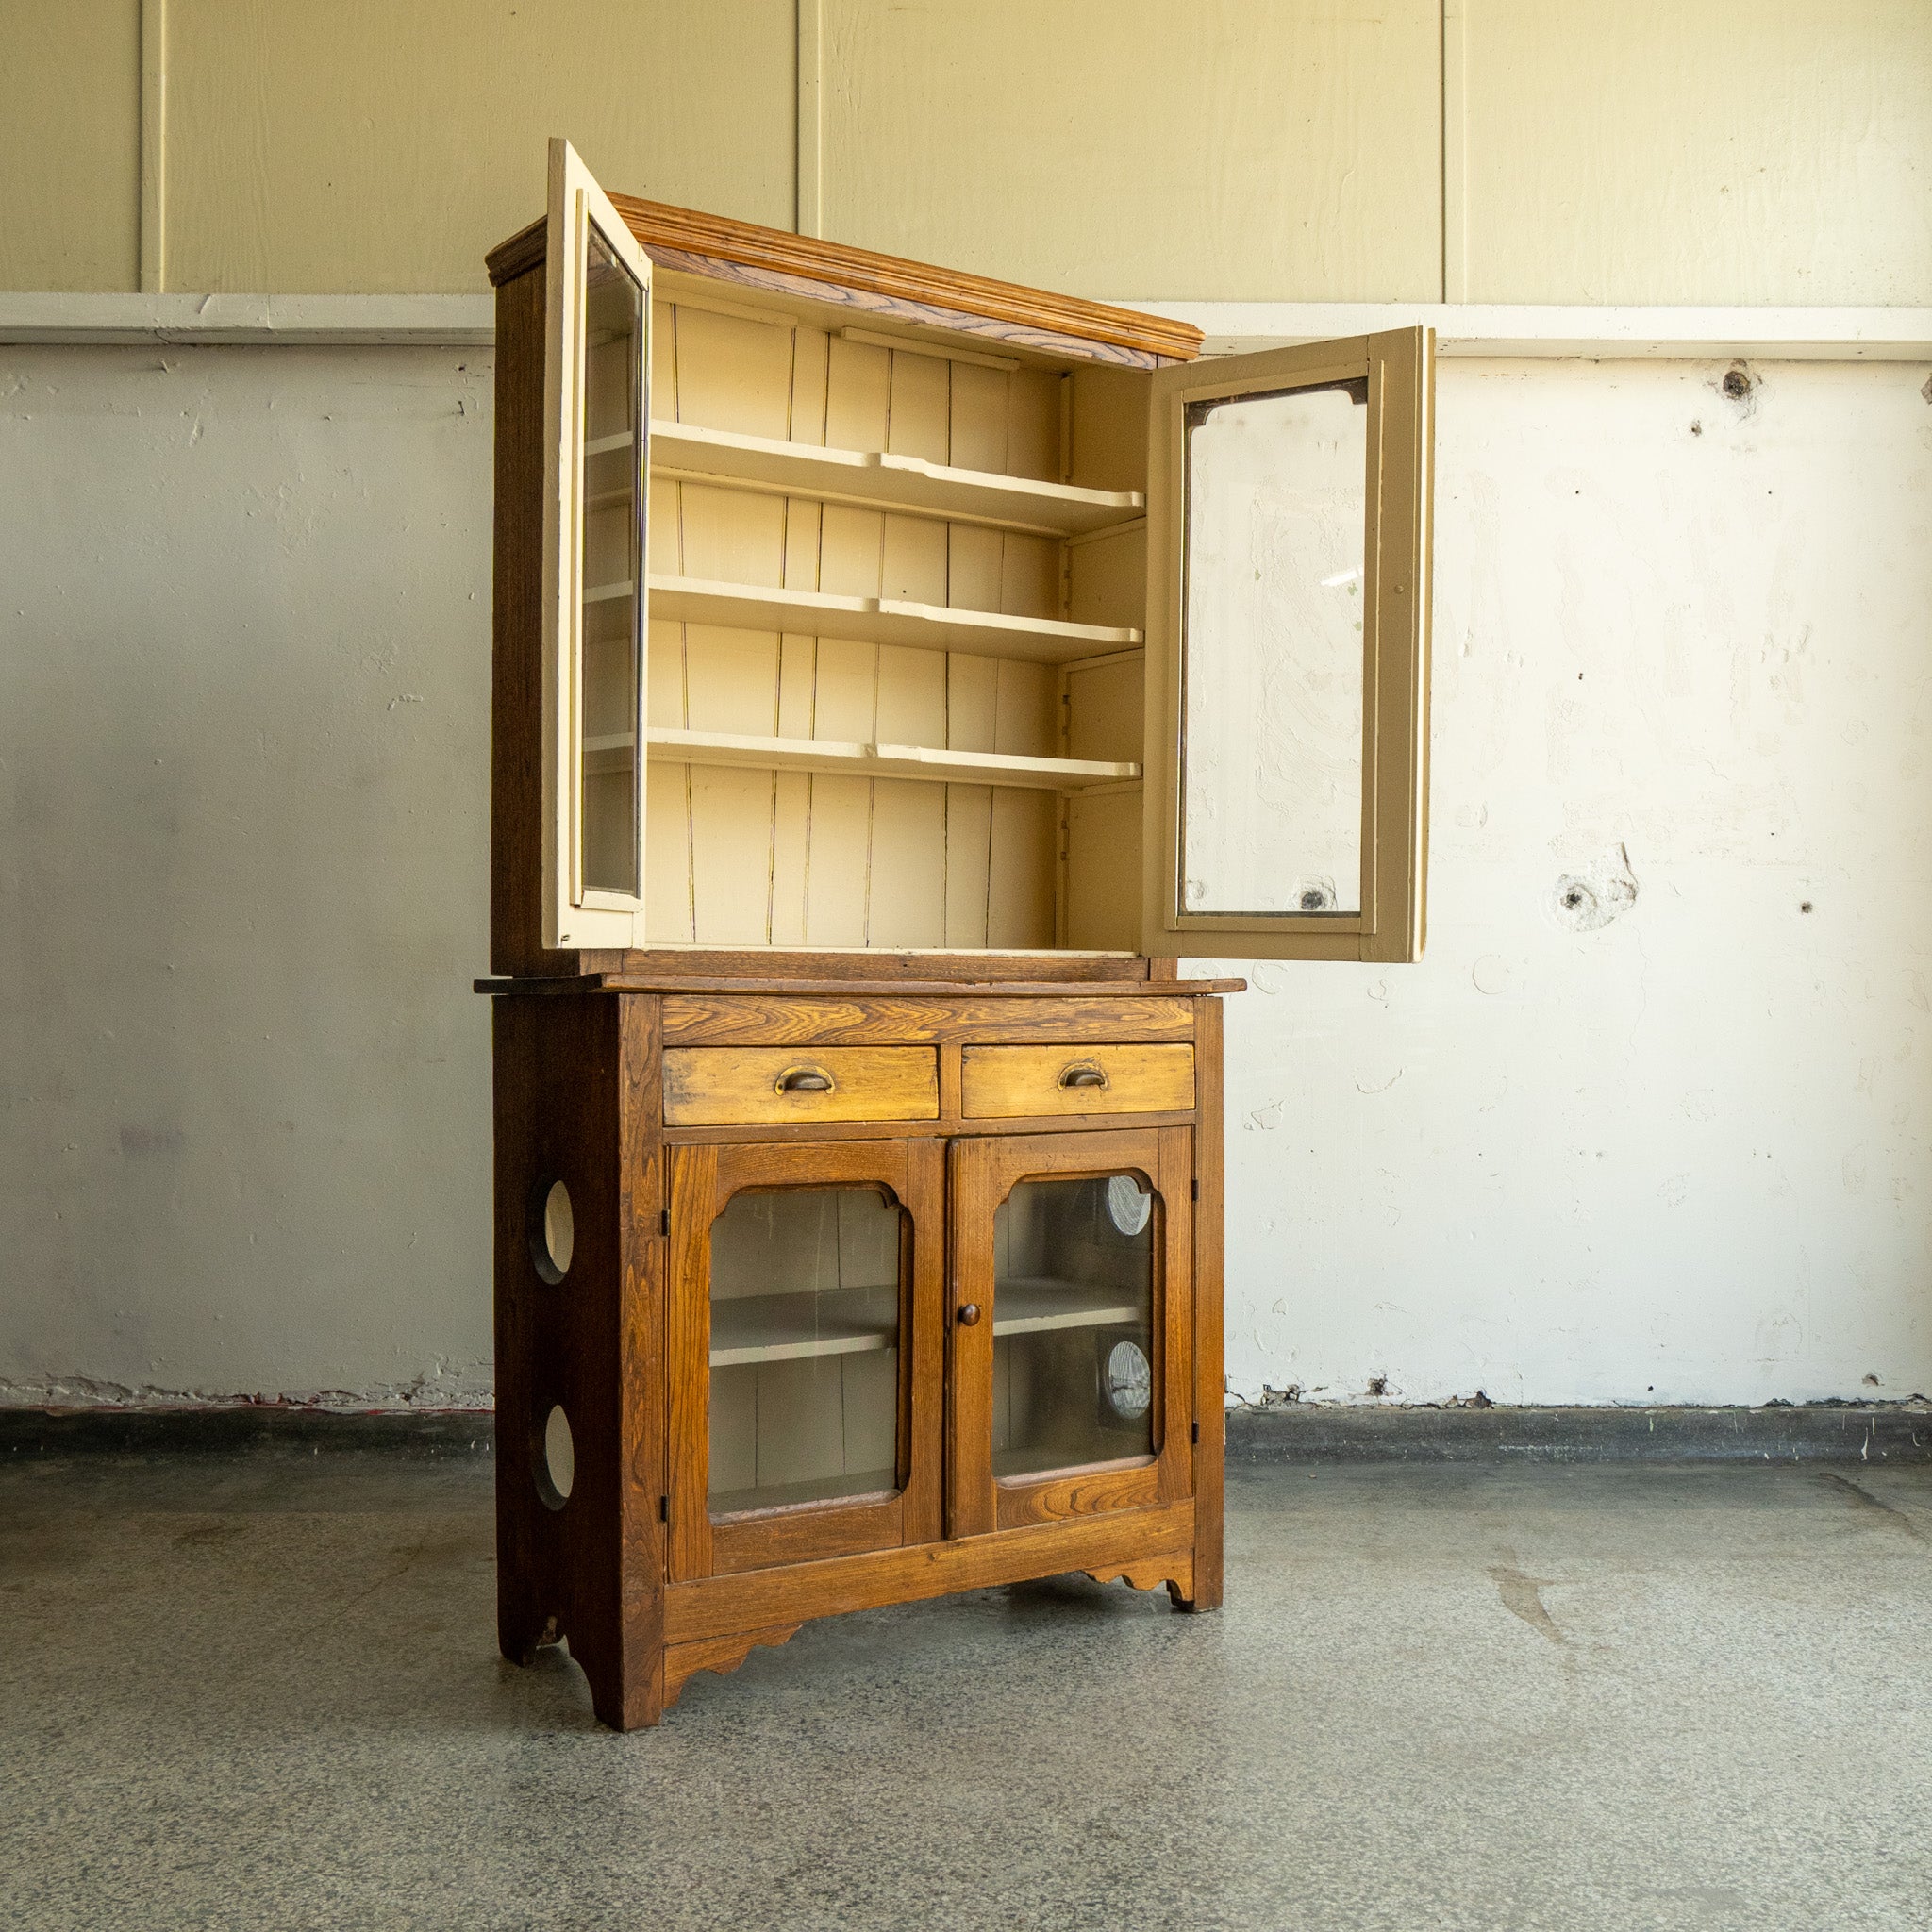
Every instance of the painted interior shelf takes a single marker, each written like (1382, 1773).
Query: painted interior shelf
(878, 478)
(860, 1321)
(1029, 1305)
(786, 1328)
(875, 620)
(920, 761)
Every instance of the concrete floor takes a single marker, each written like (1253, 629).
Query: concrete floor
(262, 1692)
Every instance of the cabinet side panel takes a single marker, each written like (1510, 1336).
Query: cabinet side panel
(516, 757)
(1210, 1380)
(565, 1542)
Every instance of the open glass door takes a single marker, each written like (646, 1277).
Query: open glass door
(1287, 607)
(597, 421)
(1070, 1393)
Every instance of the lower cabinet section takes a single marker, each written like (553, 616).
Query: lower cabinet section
(842, 1368)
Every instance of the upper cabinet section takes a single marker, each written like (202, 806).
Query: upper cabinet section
(596, 426)
(880, 609)
(1288, 661)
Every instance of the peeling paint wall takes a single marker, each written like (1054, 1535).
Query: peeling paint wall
(1649, 1122)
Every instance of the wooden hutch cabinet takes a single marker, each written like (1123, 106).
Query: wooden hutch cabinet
(895, 674)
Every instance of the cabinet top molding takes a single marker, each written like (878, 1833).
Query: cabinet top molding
(686, 241)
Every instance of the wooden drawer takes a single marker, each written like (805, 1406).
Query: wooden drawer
(728, 1086)
(1016, 1082)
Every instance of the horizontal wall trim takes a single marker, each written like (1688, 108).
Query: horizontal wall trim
(1500, 329)
(1806, 1432)
(1295, 1432)
(425, 320)
(1834, 335)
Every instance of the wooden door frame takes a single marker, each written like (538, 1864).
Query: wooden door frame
(704, 1178)
(982, 1172)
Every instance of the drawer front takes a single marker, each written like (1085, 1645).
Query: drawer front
(1017, 1081)
(732, 1086)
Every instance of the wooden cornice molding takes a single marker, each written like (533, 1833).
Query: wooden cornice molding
(697, 244)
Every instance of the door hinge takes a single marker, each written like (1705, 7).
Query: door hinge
(1197, 1432)
(663, 1221)
(1195, 1195)
(664, 1502)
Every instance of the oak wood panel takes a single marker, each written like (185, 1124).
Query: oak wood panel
(720, 1605)
(723, 1019)
(715, 1085)
(1002, 1081)
(855, 983)
(947, 1128)
(683, 1661)
(1078, 1493)
(1210, 1373)
(715, 244)
(590, 1570)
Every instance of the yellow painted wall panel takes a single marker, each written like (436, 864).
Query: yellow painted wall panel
(367, 146)
(1205, 148)
(1699, 151)
(70, 144)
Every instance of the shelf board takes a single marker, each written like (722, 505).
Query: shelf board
(788, 1328)
(917, 761)
(1033, 1305)
(887, 481)
(878, 621)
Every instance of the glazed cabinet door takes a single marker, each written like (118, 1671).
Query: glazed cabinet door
(1070, 1301)
(1287, 668)
(596, 428)
(805, 1349)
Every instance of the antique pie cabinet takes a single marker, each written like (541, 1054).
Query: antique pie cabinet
(896, 673)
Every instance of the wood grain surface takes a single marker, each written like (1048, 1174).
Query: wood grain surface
(714, 1086)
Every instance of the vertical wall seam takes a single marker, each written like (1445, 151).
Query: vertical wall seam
(1455, 150)
(806, 213)
(152, 267)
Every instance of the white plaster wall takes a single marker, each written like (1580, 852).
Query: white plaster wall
(245, 651)
(1680, 1157)
(1686, 643)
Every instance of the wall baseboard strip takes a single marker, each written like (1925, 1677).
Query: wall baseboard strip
(1808, 1432)
(1296, 1432)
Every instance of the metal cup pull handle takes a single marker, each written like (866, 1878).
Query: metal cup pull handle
(1083, 1073)
(805, 1080)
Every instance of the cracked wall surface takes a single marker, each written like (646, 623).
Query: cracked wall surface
(1665, 1144)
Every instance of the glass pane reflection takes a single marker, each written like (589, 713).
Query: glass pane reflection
(1073, 1352)
(612, 547)
(1273, 653)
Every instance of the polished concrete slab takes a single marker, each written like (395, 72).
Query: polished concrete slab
(261, 1690)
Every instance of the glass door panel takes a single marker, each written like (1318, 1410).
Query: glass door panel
(1069, 1386)
(596, 429)
(1073, 1323)
(806, 1351)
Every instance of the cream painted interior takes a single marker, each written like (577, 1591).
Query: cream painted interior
(1670, 151)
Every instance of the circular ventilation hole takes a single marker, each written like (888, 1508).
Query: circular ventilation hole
(557, 1461)
(552, 1230)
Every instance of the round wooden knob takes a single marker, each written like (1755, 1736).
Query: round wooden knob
(969, 1315)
